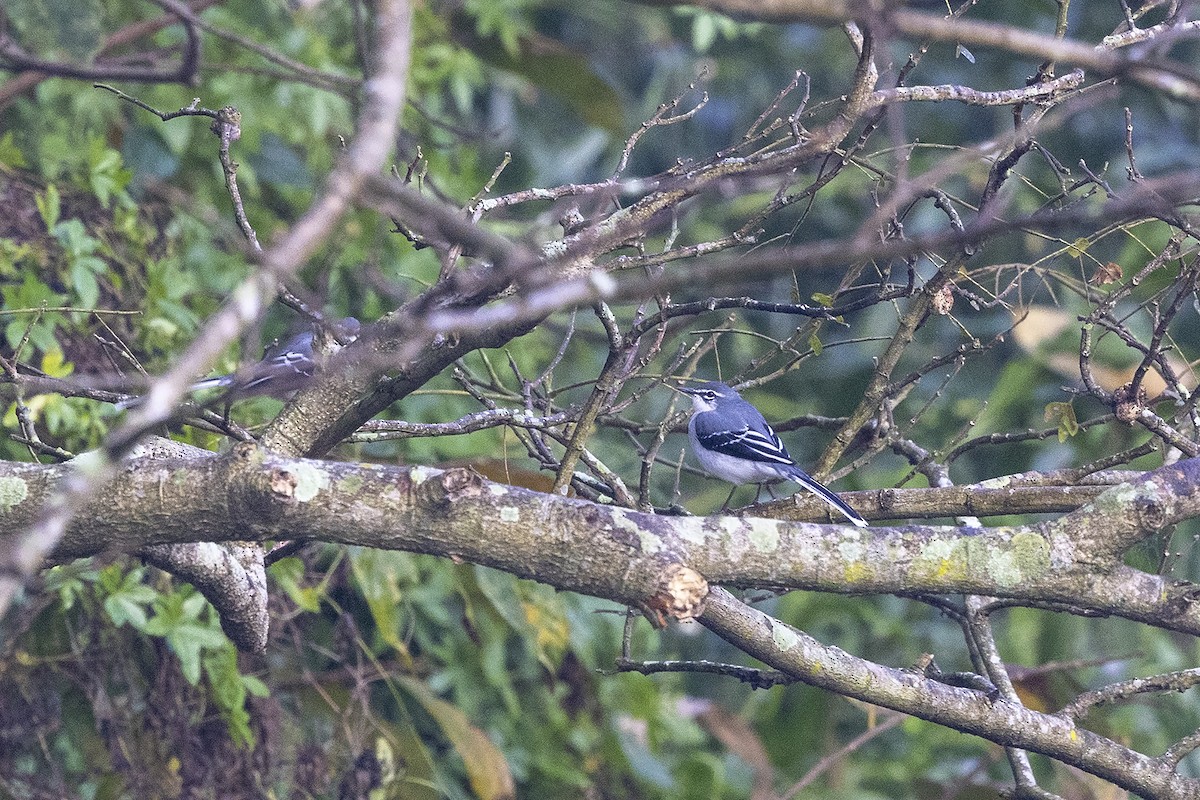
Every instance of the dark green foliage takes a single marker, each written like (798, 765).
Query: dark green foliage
(426, 679)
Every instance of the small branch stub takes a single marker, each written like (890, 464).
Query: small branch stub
(283, 485)
(228, 124)
(1128, 403)
(943, 300)
(680, 596)
(461, 484)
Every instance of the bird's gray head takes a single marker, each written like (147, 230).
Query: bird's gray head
(706, 396)
(346, 330)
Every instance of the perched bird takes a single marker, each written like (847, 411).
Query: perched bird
(284, 368)
(733, 442)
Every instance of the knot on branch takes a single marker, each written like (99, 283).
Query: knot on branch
(245, 453)
(1151, 513)
(462, 483)
(283, 485)
(886, 498)
(943, 300)
(228, 124)
(262, 487)
(441, 489)
(680, 596)
(1129, 402)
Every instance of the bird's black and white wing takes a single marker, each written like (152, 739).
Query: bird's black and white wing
(757, 443)
(283, 368)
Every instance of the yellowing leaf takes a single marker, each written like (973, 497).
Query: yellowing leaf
(545, 616)
(1064, 413)
(487, 770)
(1106, 274)
(55, 364)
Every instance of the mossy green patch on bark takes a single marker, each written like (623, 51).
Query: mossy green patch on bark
(13, 492)
(764, 535)
(941, 560)
(351, 484)
(309, 481)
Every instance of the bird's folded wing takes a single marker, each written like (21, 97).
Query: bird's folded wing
(748, 443)
(287, 368)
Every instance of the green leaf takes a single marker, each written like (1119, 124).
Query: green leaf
(823, 300)
(127, 596)
(108, 160)
(128, 607)
(535, 612)
(177, 619)
(74, 238)
(255, 686)
(229, 689)
(1064, 413)
(814, 342)
(113, 577)
(288, 574)
(106, 174)
(704, 32)
(83, 281)
(49, 205)
(69, 581)
(10, 154)
(380, 575)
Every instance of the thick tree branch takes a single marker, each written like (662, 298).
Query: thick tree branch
(981, 500)
(660, 563)
(250, 494)
(1010, 724)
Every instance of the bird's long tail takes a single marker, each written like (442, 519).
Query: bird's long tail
(199, 386)
(804, 479)
(210, 383)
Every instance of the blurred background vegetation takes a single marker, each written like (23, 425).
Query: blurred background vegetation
(116, 681)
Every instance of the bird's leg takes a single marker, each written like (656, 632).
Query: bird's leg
(725, 507)
(770, 491)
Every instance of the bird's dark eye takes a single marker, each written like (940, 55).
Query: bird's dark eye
(710, 395)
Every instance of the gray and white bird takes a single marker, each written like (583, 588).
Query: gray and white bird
(733, 442)
(284, 368)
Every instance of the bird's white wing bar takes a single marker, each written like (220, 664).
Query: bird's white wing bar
(749, 444)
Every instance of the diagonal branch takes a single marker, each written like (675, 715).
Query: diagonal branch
(660, 564)
(1010, 724)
